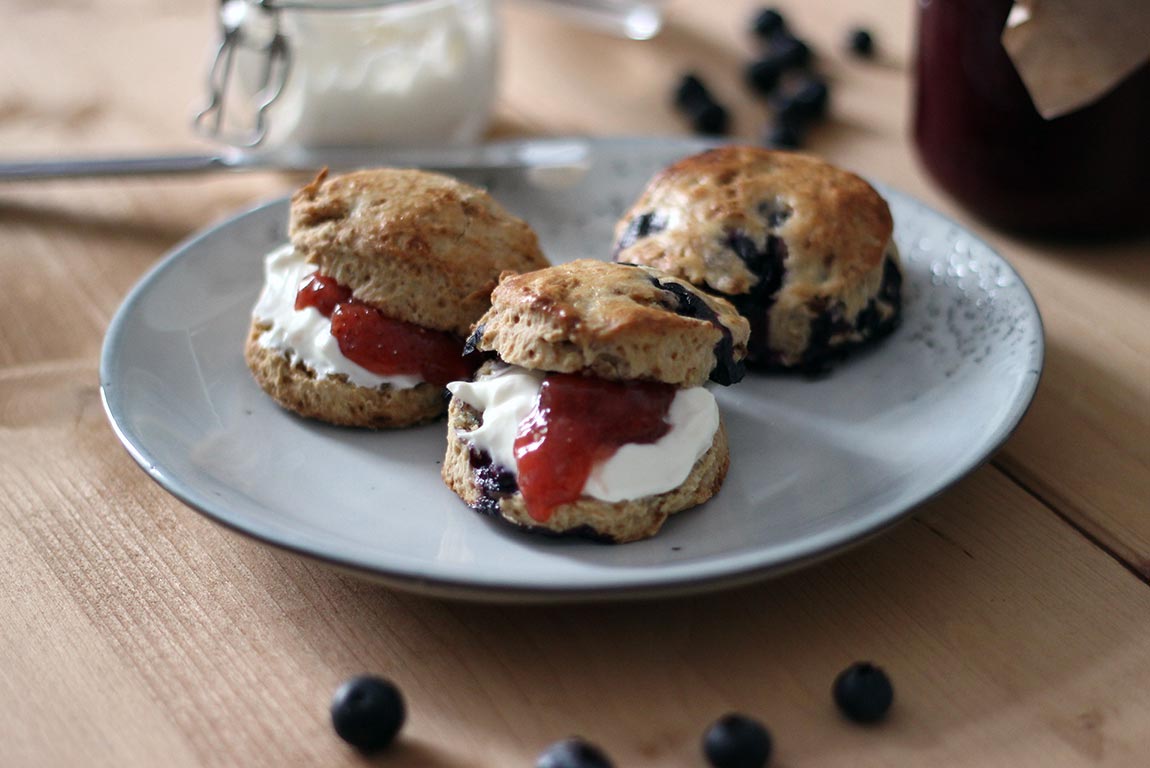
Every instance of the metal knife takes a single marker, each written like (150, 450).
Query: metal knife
(535, 153)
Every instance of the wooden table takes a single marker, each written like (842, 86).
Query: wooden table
(1012, 612)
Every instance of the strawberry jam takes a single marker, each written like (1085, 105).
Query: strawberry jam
(383, 345)
(323, 293)
(577, 422)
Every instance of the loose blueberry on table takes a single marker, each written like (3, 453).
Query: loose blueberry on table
(692, 99)
(762, 75)
(863, 692)
(690, 91)
(810, 98)
(860, 42)
(367, 712)
(737, 741)
(711, 120)
(790, 51)
(573, 753)
(783, 135)
(767, 22)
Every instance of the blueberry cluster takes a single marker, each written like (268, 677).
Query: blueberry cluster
(783, 76)
(368, 712)
(694, 101)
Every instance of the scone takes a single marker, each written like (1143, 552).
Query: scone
(364, 314)
(593, 419)
(802, 248)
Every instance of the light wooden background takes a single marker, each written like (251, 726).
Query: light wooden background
(1012, 612)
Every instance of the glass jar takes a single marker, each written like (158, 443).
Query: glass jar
(981, 138)
(314, 73)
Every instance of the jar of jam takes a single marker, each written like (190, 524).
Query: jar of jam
(982, 139)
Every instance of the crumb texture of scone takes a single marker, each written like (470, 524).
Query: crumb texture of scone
(613, 522)
(333, 399)
(614, 321)
(802, 248)
(420, 247)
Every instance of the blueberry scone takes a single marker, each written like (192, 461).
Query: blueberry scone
(801, 248)
(592, 418)
(363, 315)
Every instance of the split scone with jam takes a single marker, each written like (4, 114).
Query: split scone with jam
(591, 418)
(364, 314)
(802, 248)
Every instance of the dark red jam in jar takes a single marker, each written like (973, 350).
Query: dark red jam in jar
(980, 136)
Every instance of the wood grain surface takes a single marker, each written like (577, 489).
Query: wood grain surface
(1012, 612)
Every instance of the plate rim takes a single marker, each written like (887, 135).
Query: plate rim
(816, 548)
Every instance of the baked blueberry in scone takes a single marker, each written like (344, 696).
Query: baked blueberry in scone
(364, 314)
(800, 247)
(592, 419)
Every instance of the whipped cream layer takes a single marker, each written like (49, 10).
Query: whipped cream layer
(304, 335)
(506, 397)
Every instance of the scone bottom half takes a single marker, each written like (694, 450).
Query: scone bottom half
(801, 248)
(619, 331)
(493, 490)
(333, 399)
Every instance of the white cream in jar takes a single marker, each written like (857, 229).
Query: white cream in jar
(372, 72)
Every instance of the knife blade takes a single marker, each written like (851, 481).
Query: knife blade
(548, 153)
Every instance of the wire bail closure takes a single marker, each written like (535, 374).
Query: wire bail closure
(236, 34)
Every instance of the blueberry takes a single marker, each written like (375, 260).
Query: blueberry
(639, 227)
(811, 98)
(767, 22)
(474, 340)
(727, 370)
(367, 712)
(789, 111)
(737, 741)
(573, 753)
(860, 42)
(785, 134)
(791, 52)
(762, 75)
(711, 119)
(690, 92)
(863, 692)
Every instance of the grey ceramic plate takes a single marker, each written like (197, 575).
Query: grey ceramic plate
(816, 465)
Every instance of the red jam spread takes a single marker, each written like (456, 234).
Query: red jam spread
(577, 422)
(323, 293)
(383, 345)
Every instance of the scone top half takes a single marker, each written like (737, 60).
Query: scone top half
(789, 238)
(420, 247)
(616, 322)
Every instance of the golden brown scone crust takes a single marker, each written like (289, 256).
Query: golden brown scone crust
(835, 227)
(616, 522)
(333, 399)
(837, 231)
(608, 320)
(420, 247)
